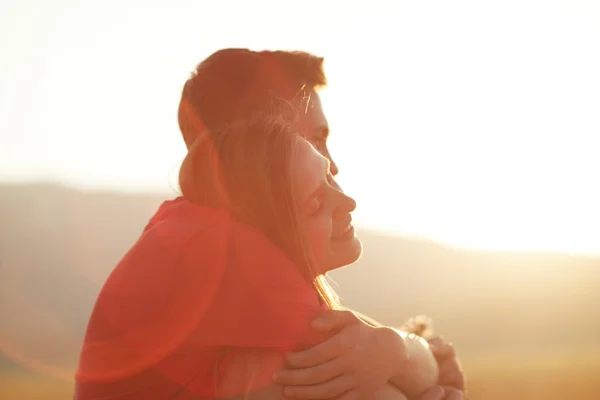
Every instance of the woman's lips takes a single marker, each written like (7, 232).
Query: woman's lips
(345, 236)
(344, 231)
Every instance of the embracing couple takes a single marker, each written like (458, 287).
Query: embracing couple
(224, 294)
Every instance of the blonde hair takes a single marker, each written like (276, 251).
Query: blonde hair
(245, 169)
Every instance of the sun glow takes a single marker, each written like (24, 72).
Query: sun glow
(464, 122)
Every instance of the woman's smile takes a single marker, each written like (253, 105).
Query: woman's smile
(343, 231)
(327, 225)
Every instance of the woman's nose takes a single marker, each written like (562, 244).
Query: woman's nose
(346, 205)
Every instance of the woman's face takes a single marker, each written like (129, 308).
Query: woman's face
(324, 210)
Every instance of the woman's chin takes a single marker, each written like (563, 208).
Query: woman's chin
(342, 254)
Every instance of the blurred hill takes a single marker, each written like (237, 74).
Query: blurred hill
(57, 245)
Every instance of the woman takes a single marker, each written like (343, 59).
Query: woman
(225, 279)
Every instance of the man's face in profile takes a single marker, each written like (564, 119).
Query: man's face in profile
(314, 126)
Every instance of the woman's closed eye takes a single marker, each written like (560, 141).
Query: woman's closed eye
(313, 206)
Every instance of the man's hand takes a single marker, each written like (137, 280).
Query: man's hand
(353, 364)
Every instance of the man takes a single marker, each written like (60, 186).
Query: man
(233, 84)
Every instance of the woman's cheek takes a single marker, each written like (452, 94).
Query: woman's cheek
(319, 234)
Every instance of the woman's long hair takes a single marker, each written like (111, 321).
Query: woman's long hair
(246, 169)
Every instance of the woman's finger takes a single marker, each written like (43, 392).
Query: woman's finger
(441, 349)
(334, 320)
(435, 393)
(449, 365)
(454, 379)
(453, 394)
(329, 389)
(350, 395)
(333, 347)
(310, 376)
(435, 342)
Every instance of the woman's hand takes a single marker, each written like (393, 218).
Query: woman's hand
(442, 393)
(451, 374)
(353, 364)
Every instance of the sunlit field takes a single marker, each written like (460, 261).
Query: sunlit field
(524, 325)
(548, 378)
(23, 386)
(488, 378)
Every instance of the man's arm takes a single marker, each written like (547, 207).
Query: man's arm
(374, 355)
(364, 357)
(249, 377)
(421, 371)
(417, 369)
(451, 374)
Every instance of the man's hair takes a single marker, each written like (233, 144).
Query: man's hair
(233, 84)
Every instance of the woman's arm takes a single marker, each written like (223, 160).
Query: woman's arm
(248, 376)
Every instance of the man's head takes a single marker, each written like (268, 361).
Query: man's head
(234, 84)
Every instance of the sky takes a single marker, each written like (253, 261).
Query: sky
(468, 122)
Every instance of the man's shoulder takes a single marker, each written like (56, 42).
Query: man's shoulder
(178, 221)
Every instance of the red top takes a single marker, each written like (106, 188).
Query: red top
(195, 283)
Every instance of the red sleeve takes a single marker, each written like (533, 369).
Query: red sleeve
(225, 285)
(253, 296)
